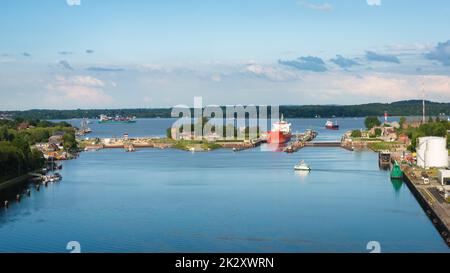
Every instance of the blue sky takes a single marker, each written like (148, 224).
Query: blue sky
(137, 53)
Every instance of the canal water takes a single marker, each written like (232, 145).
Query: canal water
(157, 127)
(252, 201)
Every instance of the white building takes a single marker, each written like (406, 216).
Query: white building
(444, 177)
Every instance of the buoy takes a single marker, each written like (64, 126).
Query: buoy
(6, 204)
(18, 198)
(28, 192)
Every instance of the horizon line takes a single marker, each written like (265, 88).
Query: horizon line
(170, 107)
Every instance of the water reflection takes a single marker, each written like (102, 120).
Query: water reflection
(397, 184)
(302, 175)
(273, 147)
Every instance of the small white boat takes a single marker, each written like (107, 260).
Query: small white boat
(302, 167)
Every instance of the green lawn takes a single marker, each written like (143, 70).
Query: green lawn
(381, 146)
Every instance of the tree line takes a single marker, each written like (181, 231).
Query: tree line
(433, 127)
(17, 157)
(401, 108)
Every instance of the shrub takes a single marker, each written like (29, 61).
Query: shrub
(356, 133)
(371, 122)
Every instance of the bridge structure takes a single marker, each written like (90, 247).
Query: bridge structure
(323, 144)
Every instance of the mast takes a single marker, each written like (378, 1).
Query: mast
(423, 103)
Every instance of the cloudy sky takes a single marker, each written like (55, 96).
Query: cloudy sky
(64, 54)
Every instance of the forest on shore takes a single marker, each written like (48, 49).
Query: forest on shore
(400, 108)
(17, 156)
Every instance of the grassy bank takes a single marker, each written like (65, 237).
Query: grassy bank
(383, 146)
(188, 145)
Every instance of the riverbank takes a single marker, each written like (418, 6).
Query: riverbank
(165, 143)
(14, 181)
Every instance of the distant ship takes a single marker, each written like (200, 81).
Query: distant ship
(116, 119)
(331, 125)
(84, 130)
(281, 132)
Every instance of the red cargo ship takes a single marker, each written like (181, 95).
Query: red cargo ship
(281, 132)
(331, 126)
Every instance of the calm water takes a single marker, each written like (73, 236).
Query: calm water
(157, 127)
(251, 201)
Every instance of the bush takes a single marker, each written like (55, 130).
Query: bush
(378, 132)
(371, 122)
(69, 142)
(448, 141)
(402, 122)
(356, 133)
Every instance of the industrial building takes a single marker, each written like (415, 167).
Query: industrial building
(432, 152)
(444, 177)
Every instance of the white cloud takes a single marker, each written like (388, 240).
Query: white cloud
(77, 91)
(374, 2)
(316, 6)
(390, 87)
(73, 2)
(271, 72)
(416, 48)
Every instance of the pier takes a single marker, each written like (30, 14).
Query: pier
(296, 146)
(432, 202)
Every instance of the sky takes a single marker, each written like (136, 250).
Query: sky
(68, 54)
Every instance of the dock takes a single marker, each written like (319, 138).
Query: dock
(241, 146)
(323, 144)
(296, 146)
(431, 201)
(300, 141)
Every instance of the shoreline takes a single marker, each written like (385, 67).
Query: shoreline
(14, 181)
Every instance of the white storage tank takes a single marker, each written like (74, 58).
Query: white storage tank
(421, 148)
(432, 152)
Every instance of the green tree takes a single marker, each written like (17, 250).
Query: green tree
(36, 159)
(371, 122)
(448, 141)
(69, 142)
(4, 136)
(12, 160)
(378, 132)
(439, 129)
(22, 144)
(402, 122)
(356, 133)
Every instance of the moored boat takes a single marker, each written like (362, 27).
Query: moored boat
(280, 133)
(396, 172)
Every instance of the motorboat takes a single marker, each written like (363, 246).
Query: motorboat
(302, 167)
